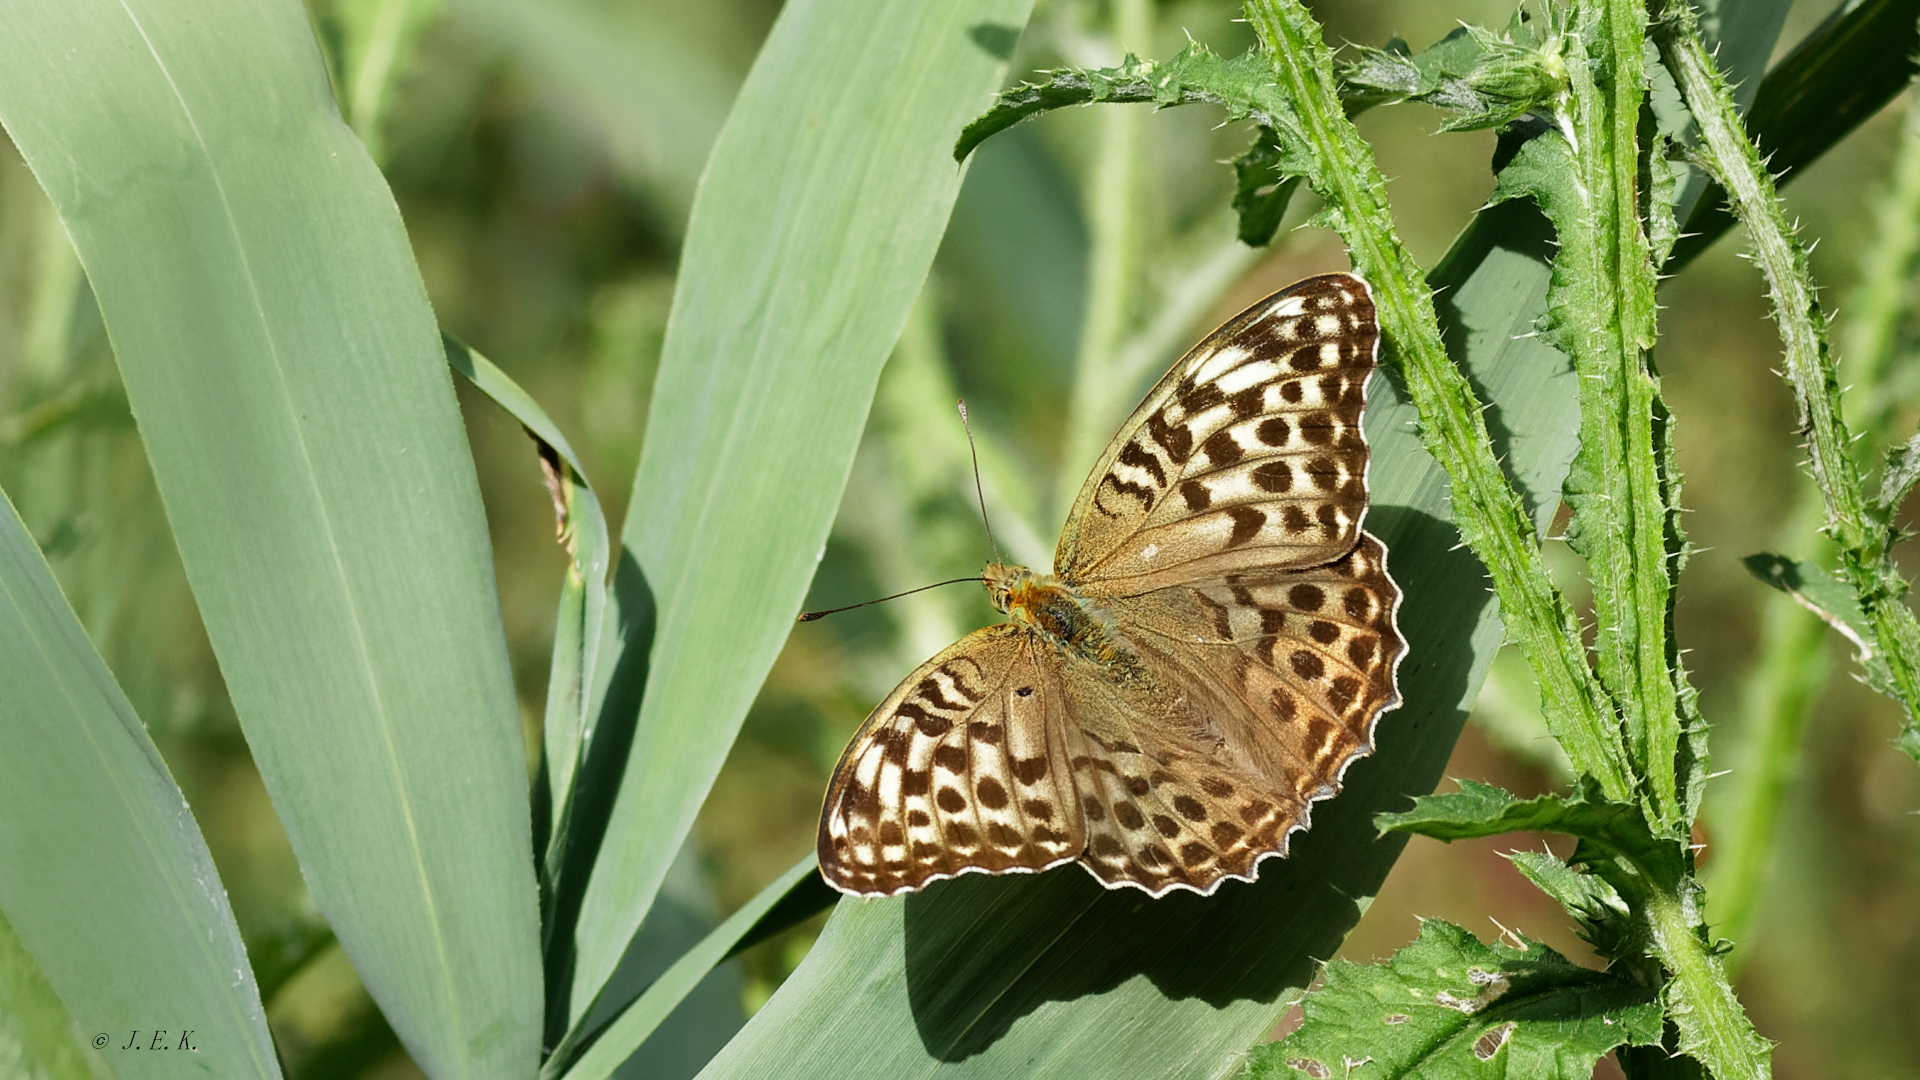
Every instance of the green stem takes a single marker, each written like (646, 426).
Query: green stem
(1486, 509)
(1713, 1028)
(1862, 540)
(1621, 515)
(1114, 267)
(1793, 661)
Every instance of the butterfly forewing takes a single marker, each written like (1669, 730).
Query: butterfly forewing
(954, 772)
(1248, 454)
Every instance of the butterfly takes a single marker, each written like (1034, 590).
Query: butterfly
(1213, 649)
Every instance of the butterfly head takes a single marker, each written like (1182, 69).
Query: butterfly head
(1004, 581)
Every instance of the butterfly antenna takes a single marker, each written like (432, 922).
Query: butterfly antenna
(809, 616)
(977, 492)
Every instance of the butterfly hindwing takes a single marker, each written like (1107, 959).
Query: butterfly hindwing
(1299, 664)
(1248, 454)
(954, 772)
(1163, 812)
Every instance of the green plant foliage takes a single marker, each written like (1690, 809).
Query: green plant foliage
(1862, 535)
(1827, 596)
(276, 344)
(1485, 80)
(812, 233)
(281, 360)
(1022, 975)
(1843, 73)
(1263, 188)
(1479, 809)
(108, 882)
(1601, 313)
(582, 529)
(1605, 920)
(1448, 1006)
(625, 1033)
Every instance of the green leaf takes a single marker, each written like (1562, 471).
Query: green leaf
(1479, 809)
(624, 1034)
(1604, 917)
(1262, 189)
(1196, 75)
(278, 350)
(1903, 469)
(813, 230)
(1486, 80)
(1818, 591)
(582, 530)
(103, 873)
(1449, 1006)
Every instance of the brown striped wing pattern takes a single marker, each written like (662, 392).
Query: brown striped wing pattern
(1247, 455)
(1215, 649)
(954, 772)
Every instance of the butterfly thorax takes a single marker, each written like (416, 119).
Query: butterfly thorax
(1057, 612)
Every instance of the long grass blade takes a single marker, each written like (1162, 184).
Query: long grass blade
(104, 875)
(812, 232)
(279, 354)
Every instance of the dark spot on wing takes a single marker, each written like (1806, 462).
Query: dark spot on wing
(1221, 449)
(1246, 524)
(1132, 454)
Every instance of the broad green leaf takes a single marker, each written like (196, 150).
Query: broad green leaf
(814, 227)
(1833, 600)
(1449, 1007)
(1479, 809)
(1053, 974)
(583, 593)
(103, 873)
(279, 353)
(638, 1020)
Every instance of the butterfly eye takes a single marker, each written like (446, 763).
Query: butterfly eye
(1025, 691)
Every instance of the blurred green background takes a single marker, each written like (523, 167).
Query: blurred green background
(544, 154)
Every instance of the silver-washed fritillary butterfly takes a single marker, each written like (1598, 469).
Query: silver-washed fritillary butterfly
(1212, 651)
